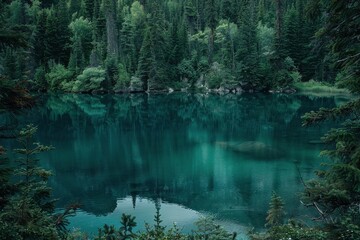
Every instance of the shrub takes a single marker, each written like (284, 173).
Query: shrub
(90, 79)
(57, 76)
(206, 228)
(136, 84)
(219, 76)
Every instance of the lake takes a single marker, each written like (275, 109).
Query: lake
(190, 155)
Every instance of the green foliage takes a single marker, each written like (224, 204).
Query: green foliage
(266, 38)
(112, 74)
(136, 84)
(152, 40)
(40, 40)
(5, 172)
(218, 76)
(289, 231)
(58, 76)
(343, 18)
(81, 30)
(276, 212)
(335, 192)
(187, 71)
(127, 224)
(314, 86)
(287, 75)
(81, 45)
(40, 78)
(208, 229)
(28, 212)
(125, 231)
(57, 34)
(13, 95)
(90, 79)
(123, 79)
(9, 64)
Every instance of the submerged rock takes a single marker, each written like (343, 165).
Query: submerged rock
(254, 149)
(316, 142)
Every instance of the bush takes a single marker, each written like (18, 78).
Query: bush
(219, 76)
(287, 76)
(206, 228)
(136, 84)
(57, 76)
(318, 87)
(297, 233)
(90, 79)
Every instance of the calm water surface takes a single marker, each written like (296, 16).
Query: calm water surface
(189, 155)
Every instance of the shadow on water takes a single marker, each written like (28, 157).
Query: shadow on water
(222, 155)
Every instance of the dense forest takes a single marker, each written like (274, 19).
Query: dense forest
(125, 45)
(97, 46)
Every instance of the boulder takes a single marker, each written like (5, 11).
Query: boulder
(254, 149)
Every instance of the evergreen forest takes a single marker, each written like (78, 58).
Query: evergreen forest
(130, 46)
(224, 47)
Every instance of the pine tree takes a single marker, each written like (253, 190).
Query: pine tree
(89, 9)
(177, 48)
(111, 28)
(128, 51)
(10, 64)
(152, 65)
(99, 48)
(147, 61)
(81, 38)
(40, 39)
(335, 194)
(190, 15)
(276, 211)
(77, 59)
(28, 212)
(74, 7)
(229, 10)
(247, 54)
(211, 22)
(6, 188)
(279, 34)
(63, 37)
(57, 34)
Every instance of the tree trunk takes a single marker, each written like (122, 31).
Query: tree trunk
(278, 21)
(111, 29)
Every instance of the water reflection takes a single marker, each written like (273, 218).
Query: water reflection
(222, 155)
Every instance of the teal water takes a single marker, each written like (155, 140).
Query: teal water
(190, 155)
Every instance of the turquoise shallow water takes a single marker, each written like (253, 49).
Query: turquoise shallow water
(190, 155)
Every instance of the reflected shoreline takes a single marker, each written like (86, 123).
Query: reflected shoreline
(222, 155)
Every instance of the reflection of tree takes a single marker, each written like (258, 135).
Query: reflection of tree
(113, 146)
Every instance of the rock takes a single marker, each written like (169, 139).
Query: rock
(316, 142)
(254, 149)
(289, 90)
(100, 91)
(122, 90)
(239, 89)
